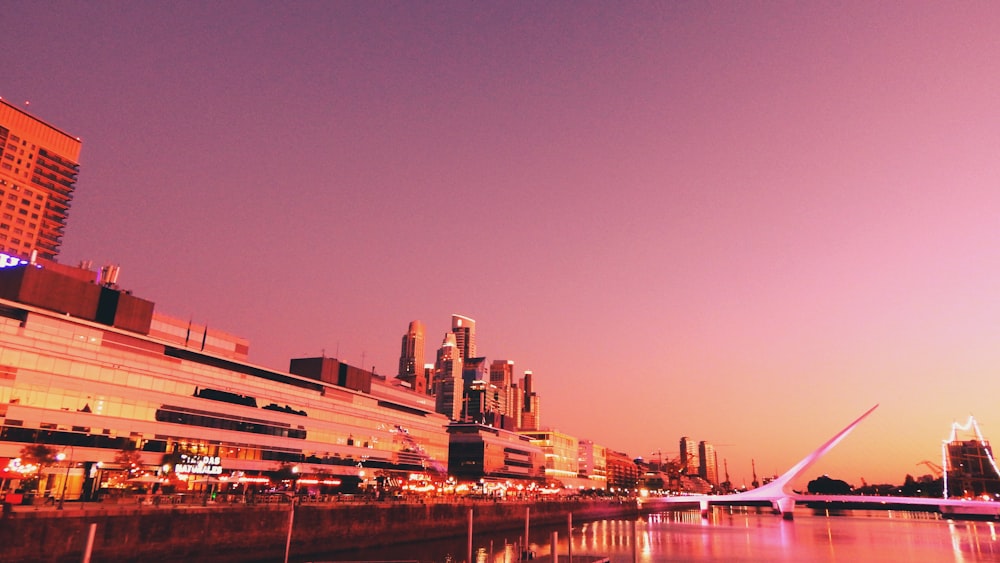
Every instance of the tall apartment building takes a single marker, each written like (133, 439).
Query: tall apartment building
(690, 461)
(464, 330)
(411, 358)
(708, 469)
(38, 168)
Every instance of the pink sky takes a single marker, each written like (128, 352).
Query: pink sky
(740, 222)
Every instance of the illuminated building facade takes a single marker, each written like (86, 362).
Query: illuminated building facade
(593, 464)
(562, 455)
(411, 358)
(98, 373)
(478, 451)
(38, 169)
(623, 473)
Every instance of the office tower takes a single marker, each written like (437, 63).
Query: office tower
(448, 379)
(411, 358)
(429, 376)
(502, 377)
(38, 168)
(530, 416)
(689, 456)
(464, 329)
(476, 376)
(708, 469)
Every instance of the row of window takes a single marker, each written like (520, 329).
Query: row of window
(144, 373)
(193, 417)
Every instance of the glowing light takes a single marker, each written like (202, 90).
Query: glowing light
(9, 261)
(955, 427)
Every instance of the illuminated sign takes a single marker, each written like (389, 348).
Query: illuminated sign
(8, 261)
(199, 465)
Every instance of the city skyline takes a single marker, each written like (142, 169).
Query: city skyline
(743, 224)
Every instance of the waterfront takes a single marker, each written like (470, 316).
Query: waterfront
(728, 535)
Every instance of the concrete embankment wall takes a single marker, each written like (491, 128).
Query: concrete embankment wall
(258, 533)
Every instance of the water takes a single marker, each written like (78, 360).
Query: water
(731, 535)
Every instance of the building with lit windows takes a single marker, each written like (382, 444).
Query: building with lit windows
(562, 457)
(593, 464)
(92, 371)
(38, 169)
(623, 473)
(479, 451)
(971, 469)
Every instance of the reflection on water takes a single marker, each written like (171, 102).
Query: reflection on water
(737, 534)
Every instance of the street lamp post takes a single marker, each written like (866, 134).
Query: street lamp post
(62, 496)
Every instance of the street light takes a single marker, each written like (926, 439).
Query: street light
(61, 456)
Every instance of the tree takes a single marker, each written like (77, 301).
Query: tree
(39, 455)
(826, 486)
(130, 458)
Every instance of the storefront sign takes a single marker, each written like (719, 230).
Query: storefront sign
(199, 465)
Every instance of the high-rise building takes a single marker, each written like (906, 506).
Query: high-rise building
(448, 379)
(690, 461)
(502, 377)
(38, 168)
(411, 358)
(464, 329)
(479, 396)
(708, 468)
(531, 418)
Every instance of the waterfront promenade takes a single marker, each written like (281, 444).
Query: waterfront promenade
(227, 532)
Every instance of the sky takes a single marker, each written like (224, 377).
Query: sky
(741, 222)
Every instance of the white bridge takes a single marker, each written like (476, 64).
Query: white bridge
(779, 495)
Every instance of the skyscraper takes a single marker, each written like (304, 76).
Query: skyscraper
(531, 418)
(411, 358)
(448, 379)
(502, 376)
(38, 168)
(464, 329)
(708, 469)
(690, 461)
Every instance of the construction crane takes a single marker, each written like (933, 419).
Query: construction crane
(935, 468)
